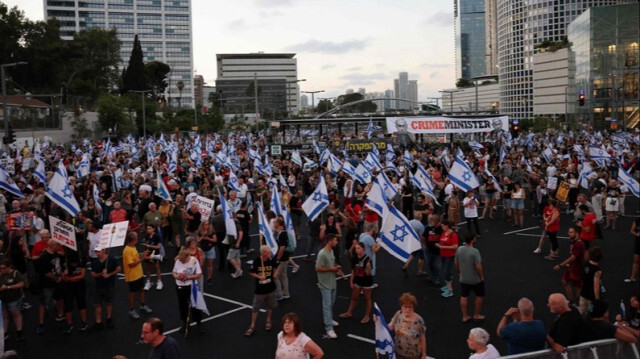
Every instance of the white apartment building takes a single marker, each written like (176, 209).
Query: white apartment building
(463, 100)
(163, 27)
(552, 81)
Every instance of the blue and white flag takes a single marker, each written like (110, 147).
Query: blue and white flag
(324, 156)
(316, 148)
(624, 177)
(173, 163)
(462, 176)
(407, 157)
(585, 172)
(397, 236)
(578, 149)
(348, 168)
(233, 182)
(384, 340)
(295, 158)
(318, 201)
(390, 166)
(7, 183)
(334, 164)
(227, 213)
(460, 154)
(39, 173)
(388, 187)
(423, 187)
(600, 156)
(197, 298)
(254, 155)
(370, 128)
(281, 210)
(390, 155)
(525, 162)
(310, 162)
(117, 180)
(257, 165)
(495, 182)
(60, 192)
(475, 145)
(265, 230)
(377, 200)
(276, 201)
(267, 166)
(161, 190)
(503, 153)
(372, 162)
(95, 193)
(362, 174)
(547, 154)
(85, 165)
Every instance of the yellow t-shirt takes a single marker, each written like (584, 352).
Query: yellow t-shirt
(130, 255)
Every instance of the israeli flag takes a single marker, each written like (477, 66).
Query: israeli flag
(318, 201)
(525, 162)
(585, 172)
(384, 340)
(276, 201)
(334, 164)
(348, 168)
(295, 158)
(39, 173)
(547, 154)
(117, 180)
(422, 185)
(316, 148)
(281, 210)
(197, 298)
(162, 141)
(162, 190)
(377, 200)
(370, 128)
(362, 174)
(85, 165)
(265, 230)
(495, 182)
(600, 156)
(310, 162)
(578, 149)
(476, 146)
(60, 192)
(227, 213)
(462, 176)
(283, 182)
(390, 166)
(254, 155)
(372, 162)
(96, 196)
(267, 166)
(387, 186)
(390, 155)
(257, 165)
(375, 152)
(7, 183)
(233, 182)
(503, 153)
(407, 157)
(397, 236)
(324, 156)
(424, 177)
(173, 163)
(624, 177)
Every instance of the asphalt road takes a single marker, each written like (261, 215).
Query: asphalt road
(512, 271)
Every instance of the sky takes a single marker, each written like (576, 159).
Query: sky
(339, 44)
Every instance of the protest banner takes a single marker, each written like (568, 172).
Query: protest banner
(446, 124)
(113, 234)
(63, 232)
(205, 207)
(563, 192)
(20, 221)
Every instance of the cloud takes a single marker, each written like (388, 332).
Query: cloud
(434, 74)
(439, 18)
(360, 79)
(273, 3)
(435, 65)
(327, 66)
(353, 69)
(266, 14)
(237, 24)
(329, 47)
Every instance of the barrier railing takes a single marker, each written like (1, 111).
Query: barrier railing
(599, 349)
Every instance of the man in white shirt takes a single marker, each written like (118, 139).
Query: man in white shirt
(242, 193)
(470, 204)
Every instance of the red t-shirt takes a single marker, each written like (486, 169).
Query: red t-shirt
(555, 225)
(38, 248)
(118, 215)
(448, 240)
(589, 221)
(370, 216)
(577, 251)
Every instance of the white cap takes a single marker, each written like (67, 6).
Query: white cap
(145, 187)
(98, 247)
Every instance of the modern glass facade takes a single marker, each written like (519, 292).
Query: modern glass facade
(470, 38)
(607, 59)
(163, 26)
(521, 26)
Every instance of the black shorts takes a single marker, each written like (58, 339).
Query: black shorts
(636, 247)
(466, 289)
(418, 254)
(136, 285)
(74, 294)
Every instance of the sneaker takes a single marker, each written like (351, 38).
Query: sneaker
(286, 297)
(280, 298)
(335, 324)
(332, 334)
(295, 269)
(444, 289)
(447, 294)
(147, 285)
(235, 274)
(60, 318)
(40, 330)
(83, 327)
(537, 251)
(110, 323)
(159, 285)
(134, 314)
(26, 306)
(69, 330)
(629, 280)
(375, 285)
(551, 257)
(145, 309)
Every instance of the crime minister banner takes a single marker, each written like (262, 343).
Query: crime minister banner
(446, 124)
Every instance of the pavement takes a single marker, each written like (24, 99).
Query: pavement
(511, 270)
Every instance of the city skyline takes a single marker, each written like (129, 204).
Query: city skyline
(333, 50)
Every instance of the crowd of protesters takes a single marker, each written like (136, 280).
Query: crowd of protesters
(121, 184)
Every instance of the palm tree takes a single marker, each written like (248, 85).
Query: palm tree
(180, 86)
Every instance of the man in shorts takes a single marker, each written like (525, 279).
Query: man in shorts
(50, 266)
(234, 250)
(574, 264)
(263, 269)
(469, 264)
(133, 274)
(104, 269)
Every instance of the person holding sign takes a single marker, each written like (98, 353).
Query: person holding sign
(263, 269)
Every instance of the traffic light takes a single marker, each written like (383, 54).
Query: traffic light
(581, 98)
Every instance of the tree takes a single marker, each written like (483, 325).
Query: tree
(250, 91)
(80, 126)
(134, 77)
(180, 86)
(156, 73)
(367, 106)
(113, 113)
(324, 105)
(463, 83)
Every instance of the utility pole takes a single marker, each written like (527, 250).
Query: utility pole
(255, 91)
(313, 100)
(5, 113)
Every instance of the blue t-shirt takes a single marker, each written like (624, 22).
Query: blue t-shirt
(368, 243)
(524, 337)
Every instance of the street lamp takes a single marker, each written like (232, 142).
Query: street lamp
(4, 94)
(450, 92)
(313, 101)
(288, 100)
(144, 118)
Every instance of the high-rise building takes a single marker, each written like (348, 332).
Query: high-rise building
(388, 103)
(401, 88)
(275, 73)
(469, 30)
(521, 27)
(163, 27)
(349, 91)
(412, 92)
(208, 90)
(304, 102)
(362, 91)
(198, 90)
(491, 37)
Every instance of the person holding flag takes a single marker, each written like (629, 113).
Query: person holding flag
(186, 271)
(409, 327)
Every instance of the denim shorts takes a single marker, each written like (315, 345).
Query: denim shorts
(211, 253)
(517, 203)
(16, 305)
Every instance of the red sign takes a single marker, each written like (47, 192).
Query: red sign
(20, 220)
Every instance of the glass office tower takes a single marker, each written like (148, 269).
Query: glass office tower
(470, 42)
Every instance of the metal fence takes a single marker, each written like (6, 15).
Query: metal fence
(599, 349)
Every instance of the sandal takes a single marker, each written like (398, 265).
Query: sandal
(478, 318)
(249, 332)
(365, 320)
(345, 315)
(267, 326)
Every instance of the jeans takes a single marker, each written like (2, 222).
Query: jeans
(328, 298)
(447, 268)
(473, 220)
(433, 262)
(282, 280)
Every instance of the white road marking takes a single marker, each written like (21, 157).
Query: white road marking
(206, 319)
(121, 276)
(537, 235)
(521, 230)
(244, 306)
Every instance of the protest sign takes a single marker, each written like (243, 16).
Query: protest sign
(113, 234)
(20, 220)
(205, 206)
(63, 232)
(563, 192)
